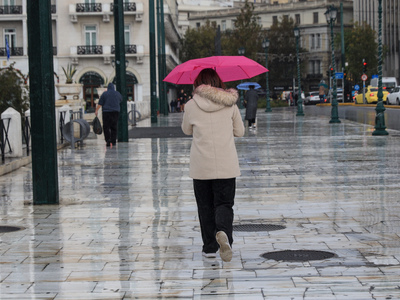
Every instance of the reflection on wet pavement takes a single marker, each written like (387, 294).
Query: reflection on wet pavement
(127, 227)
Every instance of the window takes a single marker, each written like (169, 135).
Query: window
(198, 25)
(223, 25)
(297, 16)
(214, 24)
(9, 2)
(90, 35)
(127, 35)
(312, 40)
(90, 1)
(274, 19)
(318, 42)
(11, 37)
(315, 18)
(314, 67)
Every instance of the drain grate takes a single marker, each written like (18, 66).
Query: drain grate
(5, 229)
(298, 255)
(257, 227)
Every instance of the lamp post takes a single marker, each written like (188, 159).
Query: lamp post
(380, 128)
(241, 51)
(330, 15)
(265, 45)
(299, 100)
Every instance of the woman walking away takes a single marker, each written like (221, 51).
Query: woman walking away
(251, 98)
(213, 118)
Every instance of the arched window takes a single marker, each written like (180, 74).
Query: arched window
(131, 80)
(91, 81)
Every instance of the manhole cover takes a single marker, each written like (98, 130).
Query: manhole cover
(257, 227)
(4, 229)
(298, 255)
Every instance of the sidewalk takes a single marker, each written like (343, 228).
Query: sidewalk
(127, 226)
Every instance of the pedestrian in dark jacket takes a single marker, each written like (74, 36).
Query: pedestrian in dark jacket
(251, 99)
(110, 104)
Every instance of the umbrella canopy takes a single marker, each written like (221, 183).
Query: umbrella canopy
(323, 84)
(229, 68)
(246, 85)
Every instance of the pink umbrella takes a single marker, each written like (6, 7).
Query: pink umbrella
(229, 68)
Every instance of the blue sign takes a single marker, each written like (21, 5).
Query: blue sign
(375, 76)
(339, 75)
(356, 87)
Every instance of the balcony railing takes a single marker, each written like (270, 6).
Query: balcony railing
(10, 9)
(128, 6)
(85, 50)
(129, 49)
(88, 7)
(14, 51)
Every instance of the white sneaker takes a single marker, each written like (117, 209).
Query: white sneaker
(225, 250)
(210, 255)
(254, 126)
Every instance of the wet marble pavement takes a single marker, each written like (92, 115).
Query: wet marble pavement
(127, 227)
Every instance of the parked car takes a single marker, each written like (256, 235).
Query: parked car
(339, 95)
(313, 98)
(371, 95)
(394, 96)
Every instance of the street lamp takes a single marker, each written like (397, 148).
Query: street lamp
(380, 128)
(330, 15)
(265, 45)
(241, 51)
(299, 100)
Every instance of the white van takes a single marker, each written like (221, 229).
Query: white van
(388, 83)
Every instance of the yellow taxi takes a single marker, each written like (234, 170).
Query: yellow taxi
(371, 95)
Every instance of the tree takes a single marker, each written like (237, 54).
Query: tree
(282, 52)
(198, 42)
(11, 92)
(247, 34)
(360, 43)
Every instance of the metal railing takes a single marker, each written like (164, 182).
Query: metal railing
(85, 50)
(10, 9)
(128, 6)
(4, 136)
(88, 7)
(14, 51)
(27, 133)
(129, 49)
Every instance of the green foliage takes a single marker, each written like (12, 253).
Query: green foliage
(282, 44)
(198, 42)
(69, 73)
(11, 93)
(360, 42)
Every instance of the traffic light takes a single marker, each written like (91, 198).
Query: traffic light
(364, 66)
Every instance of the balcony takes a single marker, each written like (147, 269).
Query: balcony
(11, 10)
(14, 51)
(105, 10)
(129, 49)
(88, 7)
(128, 6)
(90, 50)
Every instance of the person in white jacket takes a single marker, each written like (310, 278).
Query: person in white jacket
(214, 119)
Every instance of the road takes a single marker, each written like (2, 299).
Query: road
(361, 114)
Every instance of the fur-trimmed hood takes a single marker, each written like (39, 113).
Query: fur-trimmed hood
(211, 99)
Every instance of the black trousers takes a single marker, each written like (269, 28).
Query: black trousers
(215, 200)
(110, 126)
(251, 121)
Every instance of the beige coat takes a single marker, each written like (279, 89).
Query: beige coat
(214, 119)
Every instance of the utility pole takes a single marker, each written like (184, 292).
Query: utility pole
(42, 103)
(153, 81)
(120, 69)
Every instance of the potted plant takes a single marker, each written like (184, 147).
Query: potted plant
(69, 88)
